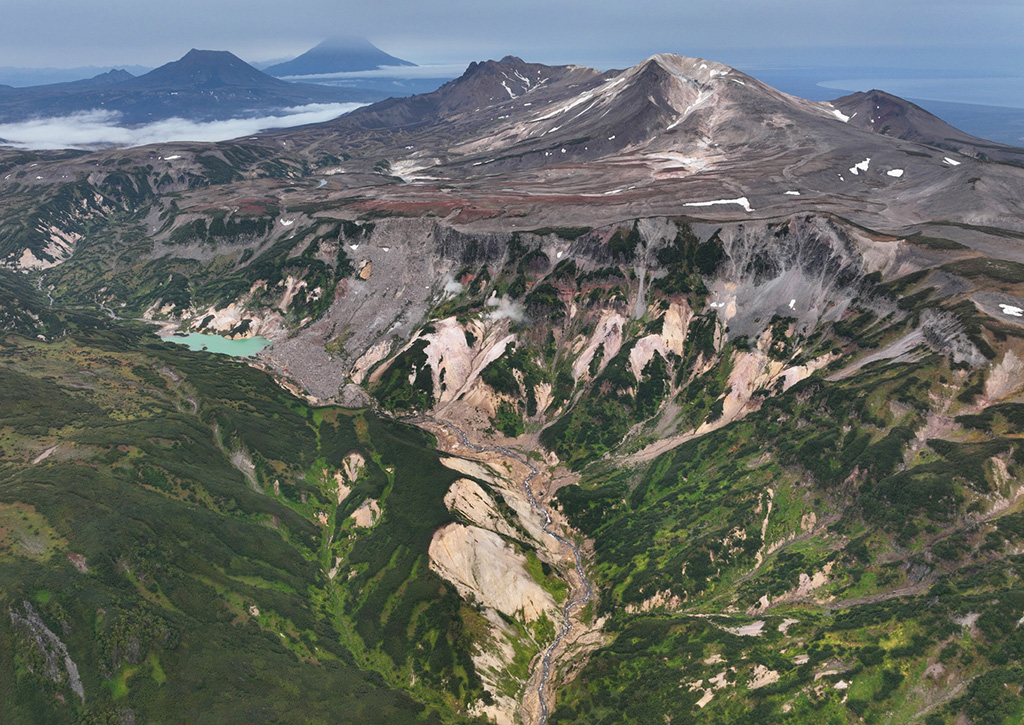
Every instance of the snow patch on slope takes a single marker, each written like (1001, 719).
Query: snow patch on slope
(862, 166)
(840, 115)
(742, 201)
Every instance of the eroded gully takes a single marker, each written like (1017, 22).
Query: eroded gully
(588, 591)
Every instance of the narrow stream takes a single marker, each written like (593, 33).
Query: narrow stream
(113, 315)
(48, 290)
(588, 592)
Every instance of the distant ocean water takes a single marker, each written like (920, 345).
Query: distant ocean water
(997, 91)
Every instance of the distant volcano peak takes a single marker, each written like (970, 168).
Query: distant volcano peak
(206, 68)
(338, 54)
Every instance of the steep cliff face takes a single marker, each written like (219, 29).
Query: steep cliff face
(807, 268)
(657, 312)
(689, 326)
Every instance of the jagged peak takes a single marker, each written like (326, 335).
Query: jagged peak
(509, 61)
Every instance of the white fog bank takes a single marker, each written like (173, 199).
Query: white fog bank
(90, 129)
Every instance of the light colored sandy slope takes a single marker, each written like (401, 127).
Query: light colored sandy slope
(483, 566)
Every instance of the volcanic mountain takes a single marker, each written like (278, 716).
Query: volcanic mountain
(336, 55)
(203, 85)
(662, 135)
(891, 115)
(723, 387)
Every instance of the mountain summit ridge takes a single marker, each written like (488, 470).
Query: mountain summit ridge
(668, 132)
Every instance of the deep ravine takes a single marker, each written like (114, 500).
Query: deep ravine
(588, 592)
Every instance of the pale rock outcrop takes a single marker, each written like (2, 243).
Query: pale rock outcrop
(334, 569)
(366, 515)
(608, 334)
(353, 463)
(474, 469)
(225, 319)
(483, 566)
(450, 357)
(516, 500)
(30, 261)
(754, 370)
(544, 396)
(44, 455)
(674, 325)
(660, 600)
(762, 677)
(291, 286)
(469, 499)
(754, 629)
(369, 359)
(481, 398)
(807, 584)
(794, 374)
(59, 246)
(1006, 377)
(750, 371)
(718, 682)
(340, 488)
(643, 351)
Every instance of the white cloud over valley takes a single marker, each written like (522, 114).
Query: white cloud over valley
(90, 129)
(446, 70)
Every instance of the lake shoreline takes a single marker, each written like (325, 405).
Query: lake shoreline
(246, 347)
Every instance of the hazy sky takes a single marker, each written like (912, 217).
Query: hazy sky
(968, 34)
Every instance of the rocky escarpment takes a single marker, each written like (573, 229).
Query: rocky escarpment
(420, 267)
(519, 330)
(541, 323)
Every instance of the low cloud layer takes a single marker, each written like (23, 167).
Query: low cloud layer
(452, 286)
(505, 308)
(98, 128)
(447, 70)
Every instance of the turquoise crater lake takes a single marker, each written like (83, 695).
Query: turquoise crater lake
(244, 347)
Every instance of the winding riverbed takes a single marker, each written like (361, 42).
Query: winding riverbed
(588, 591)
